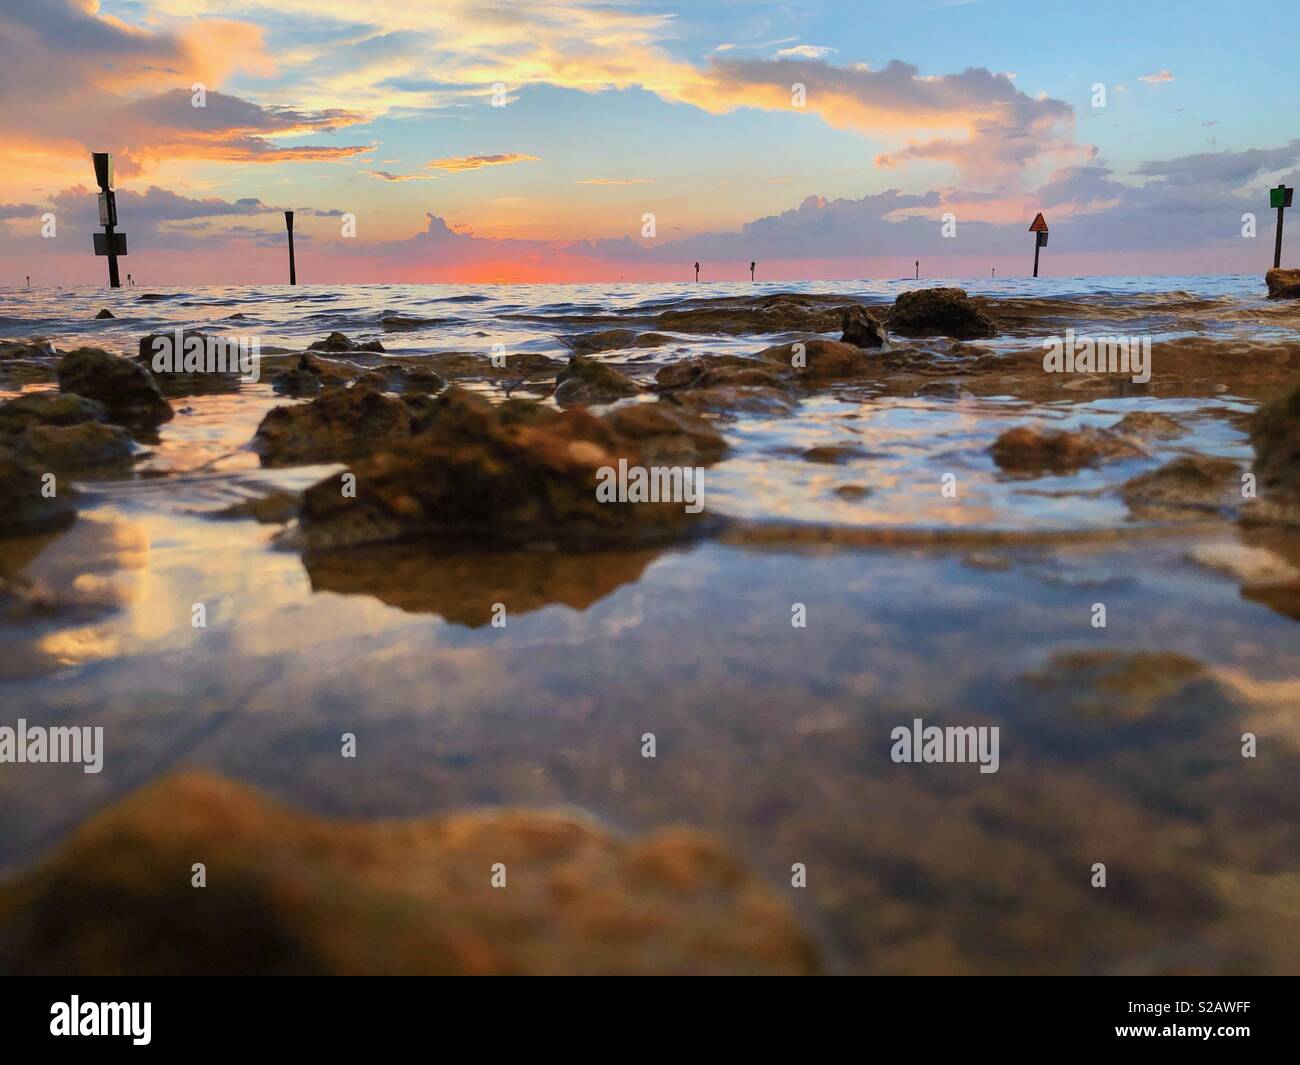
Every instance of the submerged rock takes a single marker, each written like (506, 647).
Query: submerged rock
(819, 359)
(127, 390)
(1283, 284)
(293, 893)
(939, 312)
(589, 382)
(1275, 434)
(1145, 424)
(611, 340)
(783, 312)
(24, 506)
(338, 342)
(1193, 482)
(105, 313)
(337, 425)
(860, 328)
(517, 473)
(37, 348)
(1026, 449)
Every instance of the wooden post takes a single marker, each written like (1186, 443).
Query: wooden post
(1279, 197)
(293, 269)
(697, 271)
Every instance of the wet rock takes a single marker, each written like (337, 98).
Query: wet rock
(781, 313)
(415, 380)
(292, 893)
(1275, 435)
(24, 508)
(126, 389)
(730, 400)
(1283, 284)
(832, 454)
(820, 359)
(274, 508)
(300, 381)
(851, 493)
(48, 408)
(338, 342)
(62, 447)
(1193, 482)
(339, 424)
(105, 313)
(1148, 424)
(668, 436)
(939, 312)
(517, 473)
(860, 328)
(38, 348)
(612, 340)
(588, 382)
(1026, 449)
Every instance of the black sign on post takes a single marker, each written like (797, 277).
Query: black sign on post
(293, 269)
(109, 243)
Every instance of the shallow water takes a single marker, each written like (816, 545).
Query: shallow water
(1119, 745)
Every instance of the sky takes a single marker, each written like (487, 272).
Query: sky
(474, 141)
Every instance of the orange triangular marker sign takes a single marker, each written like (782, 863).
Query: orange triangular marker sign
(1039, 224)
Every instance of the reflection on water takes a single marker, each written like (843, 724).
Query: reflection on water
(1120, 745)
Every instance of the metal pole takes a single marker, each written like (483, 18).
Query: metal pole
(1277, 246)
(114, 280)
(1036, 247)
(293, 269)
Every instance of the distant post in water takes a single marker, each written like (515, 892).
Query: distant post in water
(293, 269)
(918, 269)
(751, 269)
(1279, 197)
(1039, 228)
(110, 242)
(697, 271)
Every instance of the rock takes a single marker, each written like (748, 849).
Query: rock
(1144, 424)
(1283, 284)
(515, 473)
(1196, 482)
(49, 408)
(126, 389)
(588, 382)
(668, 437)
(300, 381)
(851, 493)
(415, 380)
(1250, 565)
(105, 313)
(832, 454)
(338, 342)
(293, 893)
(939, 312)
(819, 359)
(611, 340)
(860, 328)
(24, 508)
(1275, 435)
(274, 508)
(337, 425)
(63, 447)
(38, 348)
(1026, 449)
(780, 313)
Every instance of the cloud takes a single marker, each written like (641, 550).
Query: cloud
(1230, 170)
(385, 175)
(805, 51)
(1156, 78)
(458, 163)
(615, 181)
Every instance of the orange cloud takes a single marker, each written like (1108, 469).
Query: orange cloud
(458, 163)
